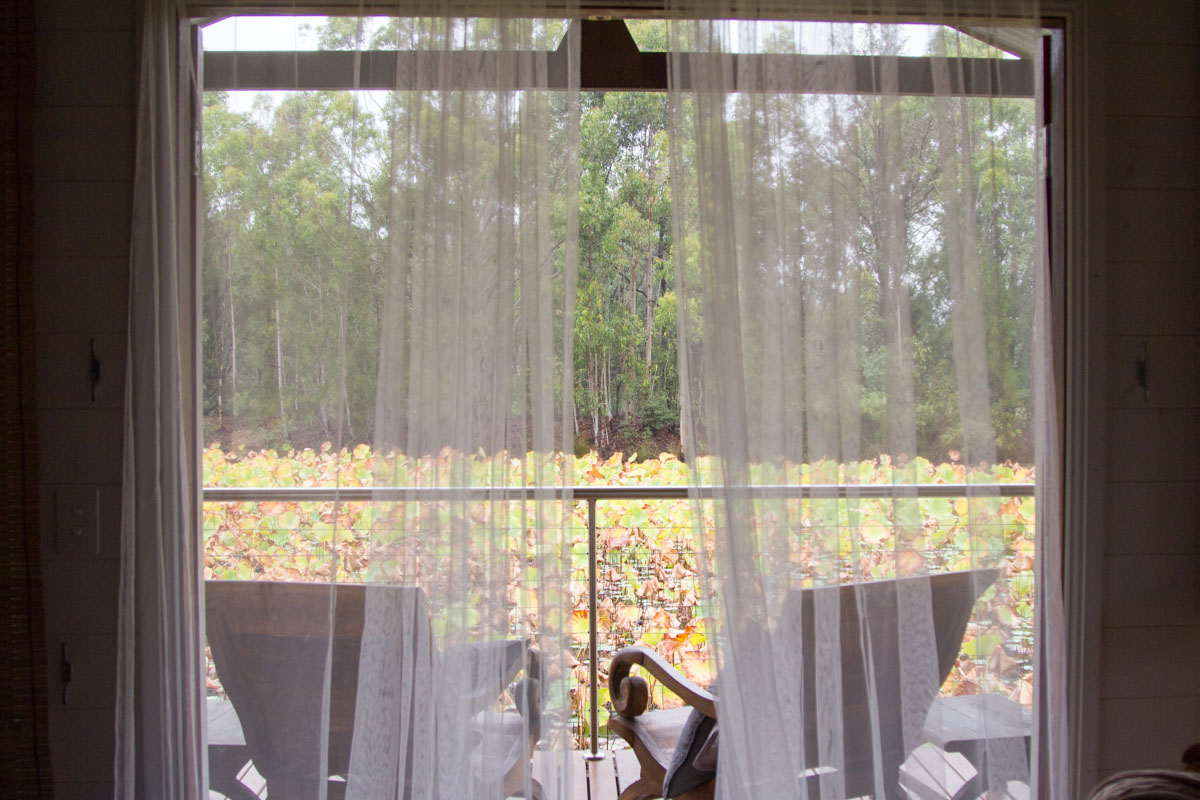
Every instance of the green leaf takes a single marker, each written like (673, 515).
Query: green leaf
(981, 646)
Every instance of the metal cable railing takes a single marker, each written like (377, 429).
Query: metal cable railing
(593, 494)
(230, 494)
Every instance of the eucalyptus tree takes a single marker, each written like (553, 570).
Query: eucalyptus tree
(229, 170)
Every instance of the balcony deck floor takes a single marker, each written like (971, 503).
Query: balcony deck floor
(607, 778)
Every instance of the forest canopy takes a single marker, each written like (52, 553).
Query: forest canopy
(295, 234)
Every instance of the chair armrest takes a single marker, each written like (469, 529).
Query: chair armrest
(630, 693)
(527, 699)
(481, 671)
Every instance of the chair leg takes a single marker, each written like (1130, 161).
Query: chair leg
(294, 788)
(641, 789)
(232, 789)
(704, 792)
(514, 786)
(535, 791)
(224, 764)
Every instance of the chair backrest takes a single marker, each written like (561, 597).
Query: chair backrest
(271, 644)
(952, 598)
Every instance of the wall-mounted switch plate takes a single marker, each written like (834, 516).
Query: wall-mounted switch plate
(78, 514)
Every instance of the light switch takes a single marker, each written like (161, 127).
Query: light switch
(78, 511)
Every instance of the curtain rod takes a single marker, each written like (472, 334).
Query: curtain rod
(610, 60)
(469, 70)
(1016, 13)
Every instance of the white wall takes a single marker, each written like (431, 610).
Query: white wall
(83, 148)
(1150, 625)
(1147, 289)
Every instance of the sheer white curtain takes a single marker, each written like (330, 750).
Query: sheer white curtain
(450, 199)
(159, 722)
(814, 235)
(829, 246)
(474, 393)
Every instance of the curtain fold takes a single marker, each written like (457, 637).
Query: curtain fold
(475, 410)
(434, 648)
(160, 686)
(829, 248)
(818, 240)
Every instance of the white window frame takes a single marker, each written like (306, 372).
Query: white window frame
(1077, 311)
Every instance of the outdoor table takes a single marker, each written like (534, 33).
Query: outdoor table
(227, 751)
(977, 724)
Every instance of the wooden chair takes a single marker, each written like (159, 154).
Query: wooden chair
(653, 735)
(270, 641)
(1149, 784)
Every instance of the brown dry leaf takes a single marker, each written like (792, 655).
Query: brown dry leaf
(1022, 562)
(272, 508)
(1023, 693)
(696, 670)
(577, 590)
(627, 617)
(1001, 663)
(618, 538)
(909, 562)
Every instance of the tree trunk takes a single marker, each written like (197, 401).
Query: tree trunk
(595, 398)
(894, 294)
(232, 331)
(968, 322)
(633, 288)
(650, 283)
(279, 359)
(604, 388)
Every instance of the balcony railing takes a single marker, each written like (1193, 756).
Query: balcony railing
(591, 495)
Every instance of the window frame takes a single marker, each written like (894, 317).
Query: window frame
(1077, 298)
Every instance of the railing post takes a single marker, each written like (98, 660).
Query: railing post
(593, 638)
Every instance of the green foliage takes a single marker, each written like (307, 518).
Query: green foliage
(282, 257)
(297, 230)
